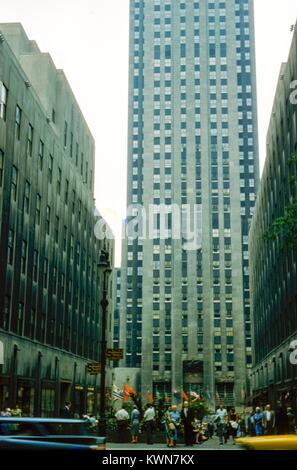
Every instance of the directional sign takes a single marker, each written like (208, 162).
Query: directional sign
(94, 368)
(114, 354)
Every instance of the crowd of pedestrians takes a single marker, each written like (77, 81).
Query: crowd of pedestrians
(182, 424)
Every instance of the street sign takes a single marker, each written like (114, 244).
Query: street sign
(93, 368)
(114, 354)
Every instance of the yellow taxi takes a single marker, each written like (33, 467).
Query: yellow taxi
(281, 442)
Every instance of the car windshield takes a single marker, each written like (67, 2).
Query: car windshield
(43, 428)
(66, 429)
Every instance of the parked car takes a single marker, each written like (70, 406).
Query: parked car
(48, 433)
(274, 442)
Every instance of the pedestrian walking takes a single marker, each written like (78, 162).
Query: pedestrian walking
(135, 424)
(187, 418)
(175, 419)
(6, 412)
(281, 420)
(149, 420)
(220, 420)
(122, 419)
(168, 426)
(258, 420)
(268, 420)
(66, 411)
(233, 425)
(251, 424)
(16, 411)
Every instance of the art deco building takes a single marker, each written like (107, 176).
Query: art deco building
(192, 141)
(274, 262)
(50, 286)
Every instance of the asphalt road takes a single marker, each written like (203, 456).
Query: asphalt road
(211, 444)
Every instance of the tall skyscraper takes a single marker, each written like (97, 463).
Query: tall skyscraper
(192, 141)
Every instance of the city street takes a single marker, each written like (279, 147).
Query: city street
(211, 444)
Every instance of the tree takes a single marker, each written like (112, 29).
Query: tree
(286, 225)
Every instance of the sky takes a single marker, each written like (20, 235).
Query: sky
(89, 40)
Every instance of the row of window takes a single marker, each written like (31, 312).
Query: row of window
(79, 156)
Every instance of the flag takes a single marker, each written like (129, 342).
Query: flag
(116, 393)
(225, 392)
(185, 396)
(195, 395)
(149, 397)
(158, 395)
(218, 396)
(166, 399)
(128, 392)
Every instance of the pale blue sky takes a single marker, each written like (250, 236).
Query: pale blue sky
(89, 40)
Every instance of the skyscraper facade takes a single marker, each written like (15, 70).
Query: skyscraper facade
(51, 287)
(273, 262)
(192, 141)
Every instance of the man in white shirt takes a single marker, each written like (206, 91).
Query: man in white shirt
(122, 418)
(269, 420)
(149, 418)
(220, 420)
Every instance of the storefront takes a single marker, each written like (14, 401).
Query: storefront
(90, 400)
(48, 399)
(4, 392)
(25, 396)
(78, 403)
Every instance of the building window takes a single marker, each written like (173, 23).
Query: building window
(48, 219)
(53, 116)
(66, 191)
(57, 229)
(41, 154)
(24, 257)
(27, 197)
(20, 318)
(45, 273)
(1, 167)
(50, 168)
(55, 280)
(30, 141)
(35, 265)
(59, 179)
(32, 323)
(71, 144)
(14, 183)
(76, 153)
(65, 238)
(71, 247)
(38, 209)
(73, 202)
(3, 101)
(18, 118)
(6, 318)
(10, 247)
(65, 133)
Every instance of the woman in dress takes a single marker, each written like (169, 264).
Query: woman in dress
(135, 424)
(258, 420)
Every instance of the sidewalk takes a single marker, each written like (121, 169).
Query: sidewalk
(211, 444)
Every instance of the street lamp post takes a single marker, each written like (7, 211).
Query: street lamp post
(105, 268)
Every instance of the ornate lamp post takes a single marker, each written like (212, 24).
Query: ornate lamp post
(105, 268)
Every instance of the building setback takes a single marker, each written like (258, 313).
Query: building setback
(50, 285)
(273, 265)
(192, 140)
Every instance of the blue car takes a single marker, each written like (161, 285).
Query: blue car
(48, 433)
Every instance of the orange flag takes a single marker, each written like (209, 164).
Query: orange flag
(129, 390)
(185, 396)
(149, 397)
